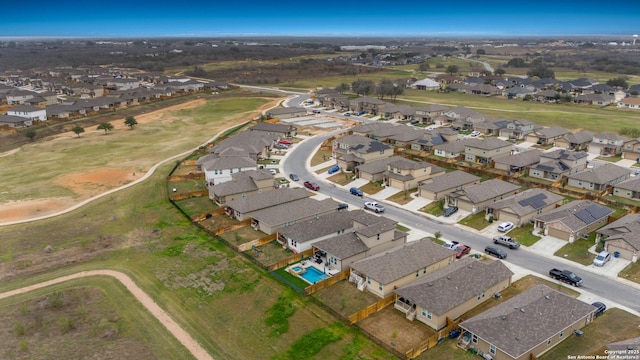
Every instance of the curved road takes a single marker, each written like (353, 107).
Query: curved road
(604, 287)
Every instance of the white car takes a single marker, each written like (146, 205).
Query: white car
(373, 206)
(475, 133)
(451, 245)
(505, 226)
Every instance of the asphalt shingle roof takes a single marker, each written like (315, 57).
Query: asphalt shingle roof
(601, 174)
(448, 181)
(528, 201)
(293, 211)
(566, 214)
(485, 190)
(324, 225)
(267, 199)
(525, 158)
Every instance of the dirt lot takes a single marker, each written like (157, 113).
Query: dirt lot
(392, 327)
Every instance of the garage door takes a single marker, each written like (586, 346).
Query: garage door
(624, 253)
(502, 217)
(559, 234)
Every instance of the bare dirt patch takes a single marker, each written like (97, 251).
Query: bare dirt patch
(27, 209)
(94, 182)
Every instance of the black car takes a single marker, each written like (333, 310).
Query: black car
(450, 211)
(494, 251)
(600, 308)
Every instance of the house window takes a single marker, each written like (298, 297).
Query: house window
(417, 273)
(424, 312)
(560, 335)
(549, 341)
(380, 287)
(429, 315)
(474, 338)
(381, 152)
(492, 349)
(368, 281)
(424, 271)
(378, 237)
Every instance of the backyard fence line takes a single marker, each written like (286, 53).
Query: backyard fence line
(177, 178)
(190, 194)
(371, 309)
(257, 242)
(290, 260)
(432, 340)
(326, 282)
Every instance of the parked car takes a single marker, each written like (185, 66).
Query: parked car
(285, 142)
(373, 206)
(343, 206)
(566, 276)
(505, 226)
(360, 113)
(273, 171)
(450, 211)
(294, 177)
(506, 241)
(602, 258)
(494, 251)
(347, 114)
(462, 250)
(316, 111)
(451, 244)
(311, 185)
(414, 121)
(429, 128)
(355, 191)
(281, 146)
(600, 308)
(334, 169)
(475, 133)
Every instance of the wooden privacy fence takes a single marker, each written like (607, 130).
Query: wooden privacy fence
(432, 340)
(190, 194)
(257, 242)
(371, 309)
(176, 178)
(290, 260)
(326, 282)
(223, 229)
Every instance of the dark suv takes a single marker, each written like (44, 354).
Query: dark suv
(494, 251)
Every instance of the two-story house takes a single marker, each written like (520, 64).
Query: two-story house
(353, 150)
(555, 164)
(517, 129)
(622, 237)
(631, 150)
(242, 184)
(368, 104)
(484, 151)
(629, 189)
(28, 112)
(475, 198)
(523, 207)
(606, 144)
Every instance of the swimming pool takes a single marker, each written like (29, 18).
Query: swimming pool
(313, 275)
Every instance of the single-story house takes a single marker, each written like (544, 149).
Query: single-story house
(437, 187)
(518, 162)
(629, 189)
(426, 84)
(573, 220)
(450, 150)
(14, 121)
(301, 236)
(452, 291)
(600, 177)
(242, 184)
(220, 169)
(576, 141)
(475, 198)
(630, 103)
(521, 208)
(270, 220)
(382, 273)
(622, 237)
(284, 130)
(243, 208)
(286, 112)
(505, 331)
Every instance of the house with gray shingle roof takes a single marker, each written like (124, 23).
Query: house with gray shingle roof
(381, 274)
(353, 150)
(368, 104)
(576, 141)
(253, 144)
(631, 150)
(573, 220)
(484, 151)
(450, 150)
(462, 116)
(452, 291)
(555, 164)
(528, 324)
(622, 236)
(518, 162)
(242, 184)
(398, 172)
(285, 112)
(220, 169)
(435, 188)
(600, 177)
(14, 121)
(270, 220)
(606, 144)
(244, 207)
(426, 113)
(284, 130)
(475, 198)
(371, 235)
(522, 207)
(517, 129)
(546, 136)
(28, 112)
(594, 99)
(629, 189)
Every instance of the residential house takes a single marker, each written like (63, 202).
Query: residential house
(521, 208)
(371, 235)
(437, 187)
(505, 331)
(452, 291)
(558, 163)
(242, 184)
(630, 103)
(243, 208)
(122, 84)
(253, 144)
(517, 129)
(518, 162)
(485, 151)
(301, 236)
(599, 178)
(61, 111)
(448, 79)
(405, 174)
(353, 150)
(518, 92)
(283, 130)
(547, 95)
(460, 117)
(629, 189)
(476, 198)
(20, 97)
(285, 112)
(220, 169)
(631, 150)
(398, 112)
(368, 104)
(594, 99)
(576, 141)
(426, 84)
(606, 144)
(571, 221)
(13, 121)
(451, 150)
(490, 127)
(546, 136)
(270, 220)
(426, 114)
(382, 273)
(622, 237)
(28, 112)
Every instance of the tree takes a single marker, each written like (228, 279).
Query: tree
(30, 134)
(342, 88)
(78, 130)
(424, 66)
(130, 121)
(541, 72)
(106, 126)
(499, 72)
(362, 87)
(481, 52)
(452, 69)
(517, 62)
(619, 82)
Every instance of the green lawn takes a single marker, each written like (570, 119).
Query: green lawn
(402, 197)
(477, 221)
(433, 208)
(524, 235)
(631, 272)
(577, 251)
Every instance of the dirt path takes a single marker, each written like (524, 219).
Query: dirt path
(185, 339)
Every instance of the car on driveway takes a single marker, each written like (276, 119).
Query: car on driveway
(285, 142)
(334, 169)
(506, 241)
(294, 177)
(602, 258)
(343, 206)
(462, 250)
(475, 133)
(600, 308)
(450, 211)
(505, 226)
(311, 185)
(373, 206)
(495, 251)
(355, 191)
(451, 244)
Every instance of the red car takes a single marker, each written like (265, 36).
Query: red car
(286, 142)
(461, 250)
(311, 185)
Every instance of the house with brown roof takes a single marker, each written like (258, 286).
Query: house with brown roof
(426, 114)
(353, 150)
(242, 184)
(546, 136)
(555, 164)
(461, 117)
(527, 325)
(594, 99)
(571, 221)
(622, 237)
(631, 150)
(522, 207)
(630, 103)
(452, 291)
(371, 235)
(599, 178)
(576, 141)
(629, 189)
(476, 198)
(606, 144)
(437, 187)
(382, 273)
(518, 162)
(485, 151)
(368, 104)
